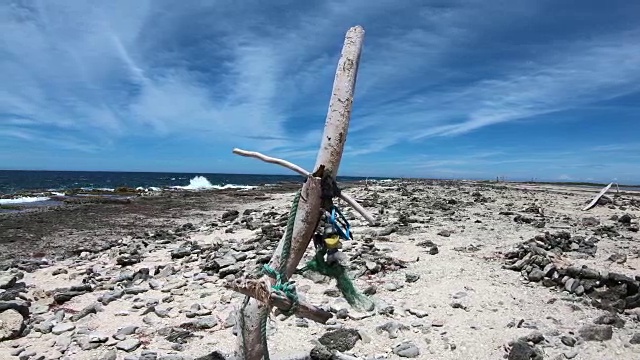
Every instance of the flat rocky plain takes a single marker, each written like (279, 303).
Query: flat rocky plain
(457, 270)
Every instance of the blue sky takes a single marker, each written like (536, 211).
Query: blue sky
(456, 89)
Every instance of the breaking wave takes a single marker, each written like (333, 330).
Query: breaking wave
(22, 200)
(202, 183)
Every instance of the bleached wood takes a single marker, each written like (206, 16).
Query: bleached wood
(340, 105)
(289, 165)
(255, 289)
(309, 206)
(595, 199)
(272, 160)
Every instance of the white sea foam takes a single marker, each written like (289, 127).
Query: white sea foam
(150, 188)
(202, 183)
(24, 199)
(97, 189)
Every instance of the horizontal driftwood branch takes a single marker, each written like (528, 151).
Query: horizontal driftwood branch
(272, 160)
(348, 199)
(256, 289)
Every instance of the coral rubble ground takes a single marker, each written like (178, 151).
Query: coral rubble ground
(457, 270)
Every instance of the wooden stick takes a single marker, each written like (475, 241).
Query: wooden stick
(255, 289)
(357, 207)
(595, 199)
(289, 165)
(249, 341)
(272, 160)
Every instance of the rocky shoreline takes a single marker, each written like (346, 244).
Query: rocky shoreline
(457, 270)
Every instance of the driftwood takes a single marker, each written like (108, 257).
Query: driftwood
(348, 199)
(259, 291)
(595, 199)
(249, 340)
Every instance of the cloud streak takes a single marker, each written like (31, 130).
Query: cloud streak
(99, 78)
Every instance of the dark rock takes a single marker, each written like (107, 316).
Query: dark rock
(110, 297)
(320, 352)
(406, 350)
(618, 258)
(445, 233)
(91, 309)
(590, 221)
(549, 269)
(7, 281)
(333, 292)
(587, 273)
(216, 355)
(370, 290)
(219, 263)
(201, 324)
(126, 260)
(148, 355)
(536, 275)
(183, 251)
(175, 335)
(635, 339)
(63, 297)
(625, 219)
(632, 302)
(411, 277)
(229, 270)
(430, 245)
(596, 332)
(341, 339)
(21, 307)
(388, 230)
(535, 337)
(520, 350)
(230, 215)
(568, 340)
(610, 319)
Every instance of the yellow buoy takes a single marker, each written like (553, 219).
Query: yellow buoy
(333, 242)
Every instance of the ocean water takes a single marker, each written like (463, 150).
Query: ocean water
(16, 181)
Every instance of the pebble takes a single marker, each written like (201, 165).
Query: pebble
(568, 340)
(407, 350)
(17, 351)
(411, 277)
(26, 354)
(570, 354)
(418, 313)
(391, 286)
(62, 328)
(128, 345)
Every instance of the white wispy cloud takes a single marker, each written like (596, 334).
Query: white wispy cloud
(82, 75)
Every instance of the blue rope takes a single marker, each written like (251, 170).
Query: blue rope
(337, 220)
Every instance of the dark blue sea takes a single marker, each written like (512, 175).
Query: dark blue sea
(14, 181)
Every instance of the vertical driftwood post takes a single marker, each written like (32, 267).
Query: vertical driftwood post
(250, 345)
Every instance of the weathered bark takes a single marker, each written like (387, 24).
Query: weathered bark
(249, 345)
(340, 105)
(256, 289)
